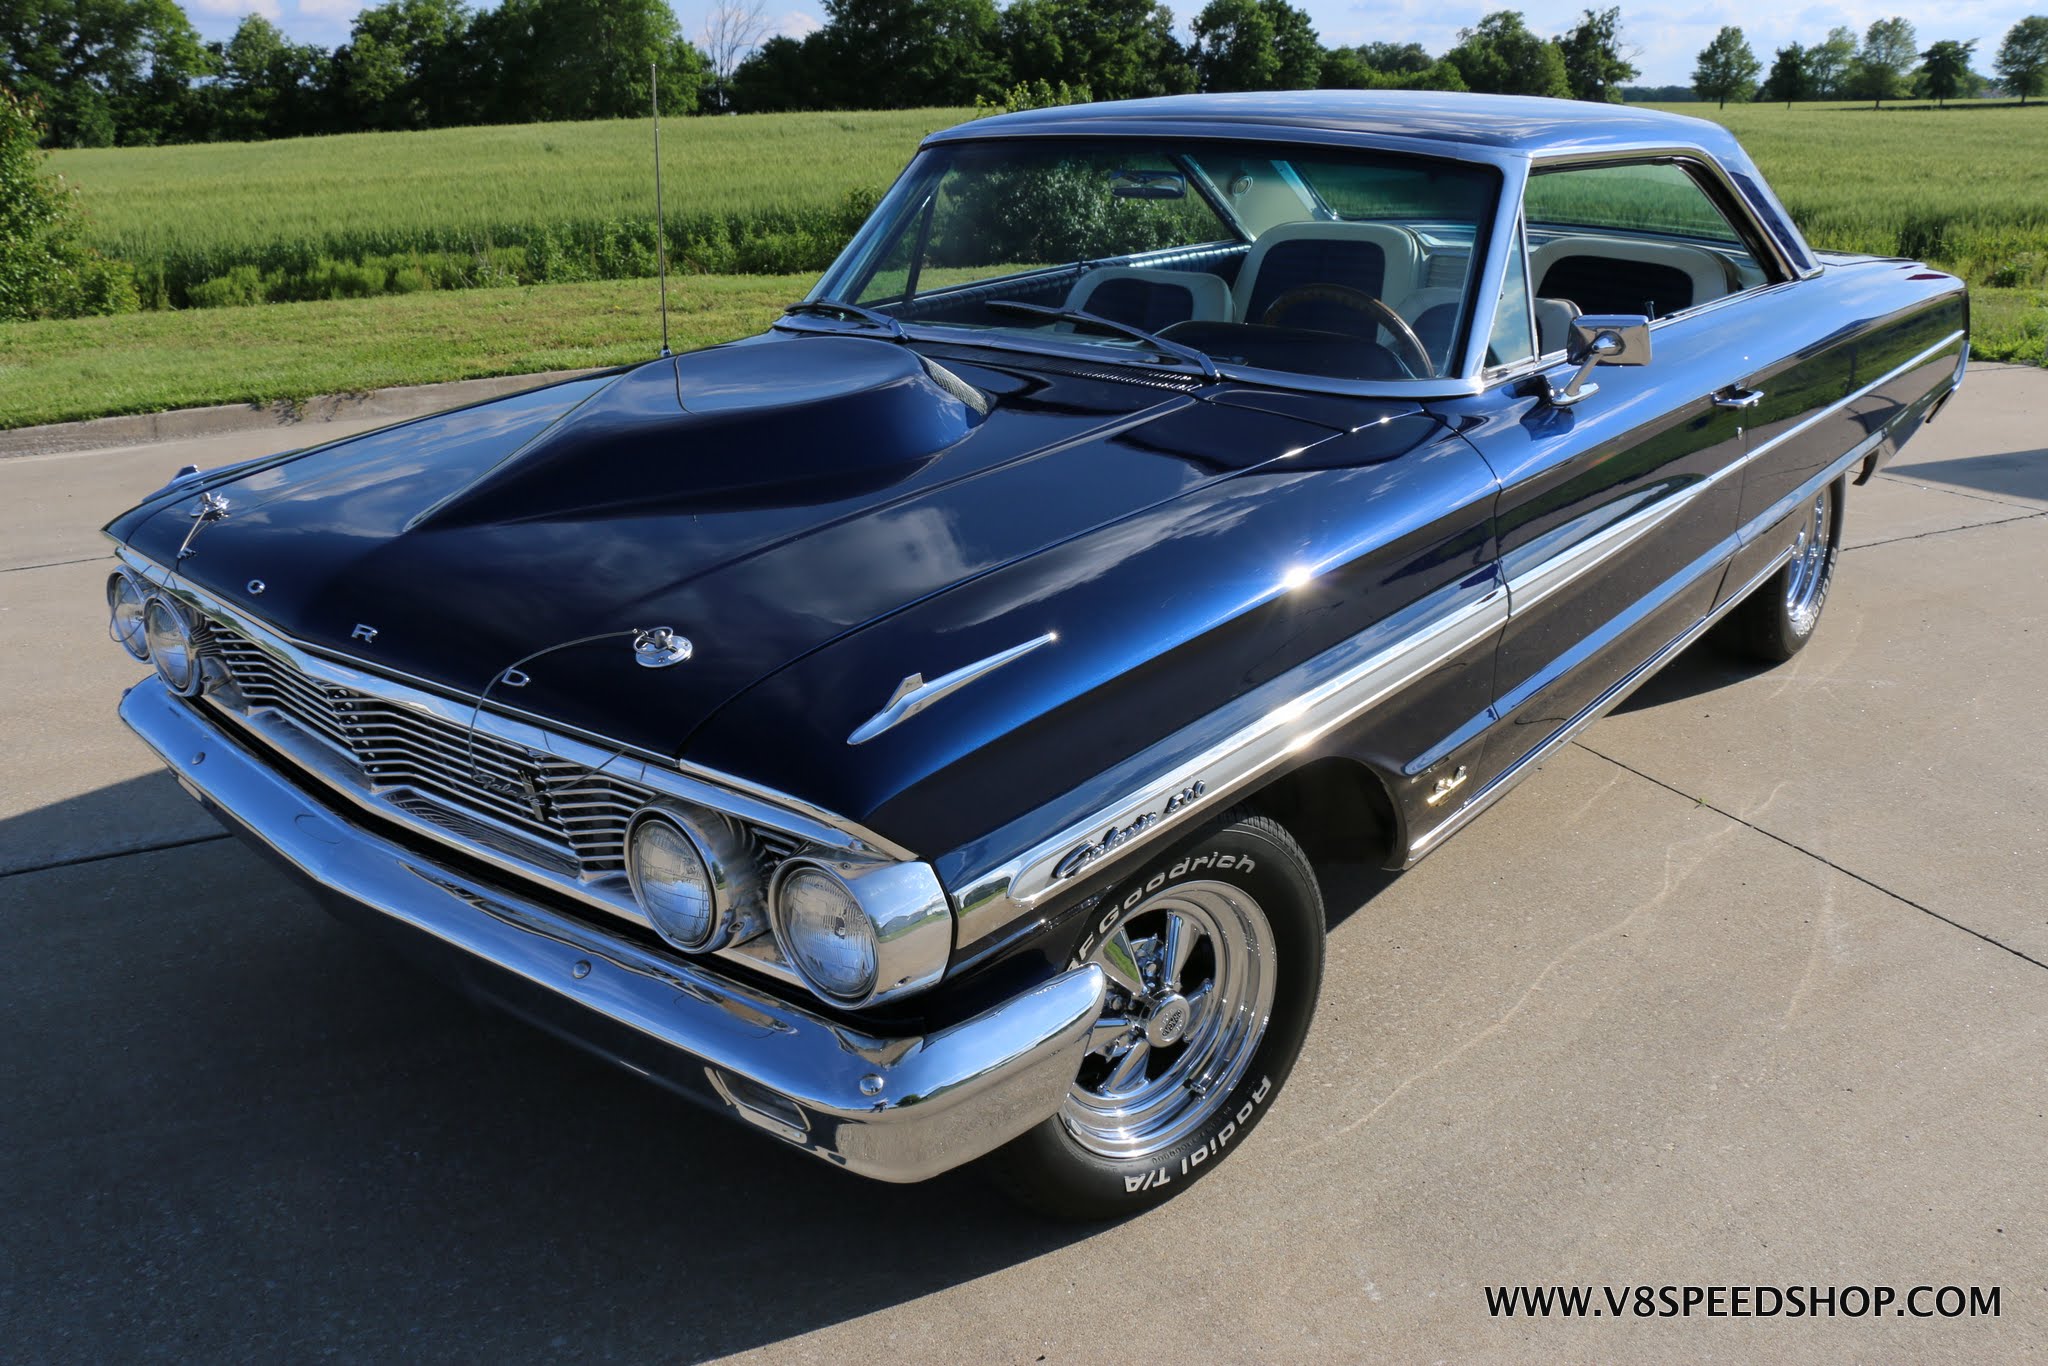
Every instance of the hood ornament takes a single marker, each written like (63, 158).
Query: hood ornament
(657, 647)
(212, 508)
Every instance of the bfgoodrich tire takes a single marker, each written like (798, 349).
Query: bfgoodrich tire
(1214, 951)
(1779, 616)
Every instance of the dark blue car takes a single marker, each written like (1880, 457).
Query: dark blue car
(916, 731)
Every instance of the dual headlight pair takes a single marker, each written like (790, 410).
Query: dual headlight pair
(698, 882)
(151, 627)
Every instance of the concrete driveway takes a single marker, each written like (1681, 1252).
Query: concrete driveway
(1749, 987)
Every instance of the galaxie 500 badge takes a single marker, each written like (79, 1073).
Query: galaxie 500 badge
(1116, 835)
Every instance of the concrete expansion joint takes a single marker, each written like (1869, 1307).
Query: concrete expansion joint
(1816, 857)
(111, 854)
(1950, 489)
(1952, 530)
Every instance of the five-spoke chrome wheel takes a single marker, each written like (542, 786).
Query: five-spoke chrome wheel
(1806, 575)
(1191, 987)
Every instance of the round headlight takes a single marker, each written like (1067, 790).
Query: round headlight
(671, 881)
(171, 645)
(824, 932)
(124, 609)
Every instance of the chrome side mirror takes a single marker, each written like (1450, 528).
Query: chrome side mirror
(1601, 339)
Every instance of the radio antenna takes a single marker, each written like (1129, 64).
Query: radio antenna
(660, 232)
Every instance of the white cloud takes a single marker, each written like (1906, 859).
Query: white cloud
(236, 9)
(794, 24)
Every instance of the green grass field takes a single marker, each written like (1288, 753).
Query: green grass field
(1963, 187)
(149, 362)
(765, 193)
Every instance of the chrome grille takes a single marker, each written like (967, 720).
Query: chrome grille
(472, 784)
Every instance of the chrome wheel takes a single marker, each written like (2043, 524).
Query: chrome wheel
(1192, 977)
(1806, 579)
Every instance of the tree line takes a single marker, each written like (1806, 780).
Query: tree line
(135, 72)
(1887, 64)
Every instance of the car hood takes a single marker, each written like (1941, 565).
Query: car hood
(760, 499)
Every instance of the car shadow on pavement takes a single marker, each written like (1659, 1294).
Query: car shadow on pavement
(2017, 474)
(234, 1129)
(1704, 666)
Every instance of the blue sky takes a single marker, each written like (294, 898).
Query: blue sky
(1668, 34)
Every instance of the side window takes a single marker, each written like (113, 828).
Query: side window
(1513, 340)
(1637, 238)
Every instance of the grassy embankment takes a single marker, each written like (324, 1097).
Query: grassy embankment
(1959, 187)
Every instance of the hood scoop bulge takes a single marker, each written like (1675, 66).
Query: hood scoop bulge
(766, 424)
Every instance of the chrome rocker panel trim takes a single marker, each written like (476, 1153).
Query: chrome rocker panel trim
(1620, 691)
(896, 1109)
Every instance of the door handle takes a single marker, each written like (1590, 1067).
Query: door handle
(1739, 398)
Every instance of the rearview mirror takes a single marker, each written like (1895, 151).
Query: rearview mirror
(1601, 339)
(1124, 184)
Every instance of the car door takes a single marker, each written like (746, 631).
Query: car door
(1617, 513)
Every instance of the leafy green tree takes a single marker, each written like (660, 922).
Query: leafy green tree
(411, 64)
(782, 73)
(1789, 79)
(1397, 59)
(1890, 47)
(896, 54)
(1595, 66)
(46, 270)
(2022, 60)
(1118, 49)
(1727, 69)
(1350, 68)
(1831, 65)
(1344, 69)
(583, 59)
(1946, 67)
(103, 71)
(269, 86)
(1500, 56)
(1255, 45)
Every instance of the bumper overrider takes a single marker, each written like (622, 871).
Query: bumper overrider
(893, 1108)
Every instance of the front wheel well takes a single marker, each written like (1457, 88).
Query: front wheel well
(1337, 809)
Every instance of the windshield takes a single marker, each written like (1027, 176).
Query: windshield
(1316, 260)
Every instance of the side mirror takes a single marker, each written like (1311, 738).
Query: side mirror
(1601, 339)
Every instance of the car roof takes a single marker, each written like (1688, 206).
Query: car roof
(1507, 123)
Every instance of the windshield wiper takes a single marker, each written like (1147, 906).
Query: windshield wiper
(839, 308)
(1083, 318)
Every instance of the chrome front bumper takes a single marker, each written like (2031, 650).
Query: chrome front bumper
(893, 1108)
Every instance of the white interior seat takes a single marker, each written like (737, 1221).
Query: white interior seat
(1151, 298)
(1597, 274)
(1315, 251)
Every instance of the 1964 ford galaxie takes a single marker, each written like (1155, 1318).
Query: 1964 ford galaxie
(916, 731)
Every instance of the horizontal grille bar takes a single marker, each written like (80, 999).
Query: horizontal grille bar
(551, 811)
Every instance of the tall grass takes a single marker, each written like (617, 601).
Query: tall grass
(474, 206)
(1965, 187)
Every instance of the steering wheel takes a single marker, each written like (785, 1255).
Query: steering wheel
(1410, 352)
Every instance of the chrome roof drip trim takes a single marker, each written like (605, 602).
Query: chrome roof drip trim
(913, 694)
(704, 787)
(1189, 774)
